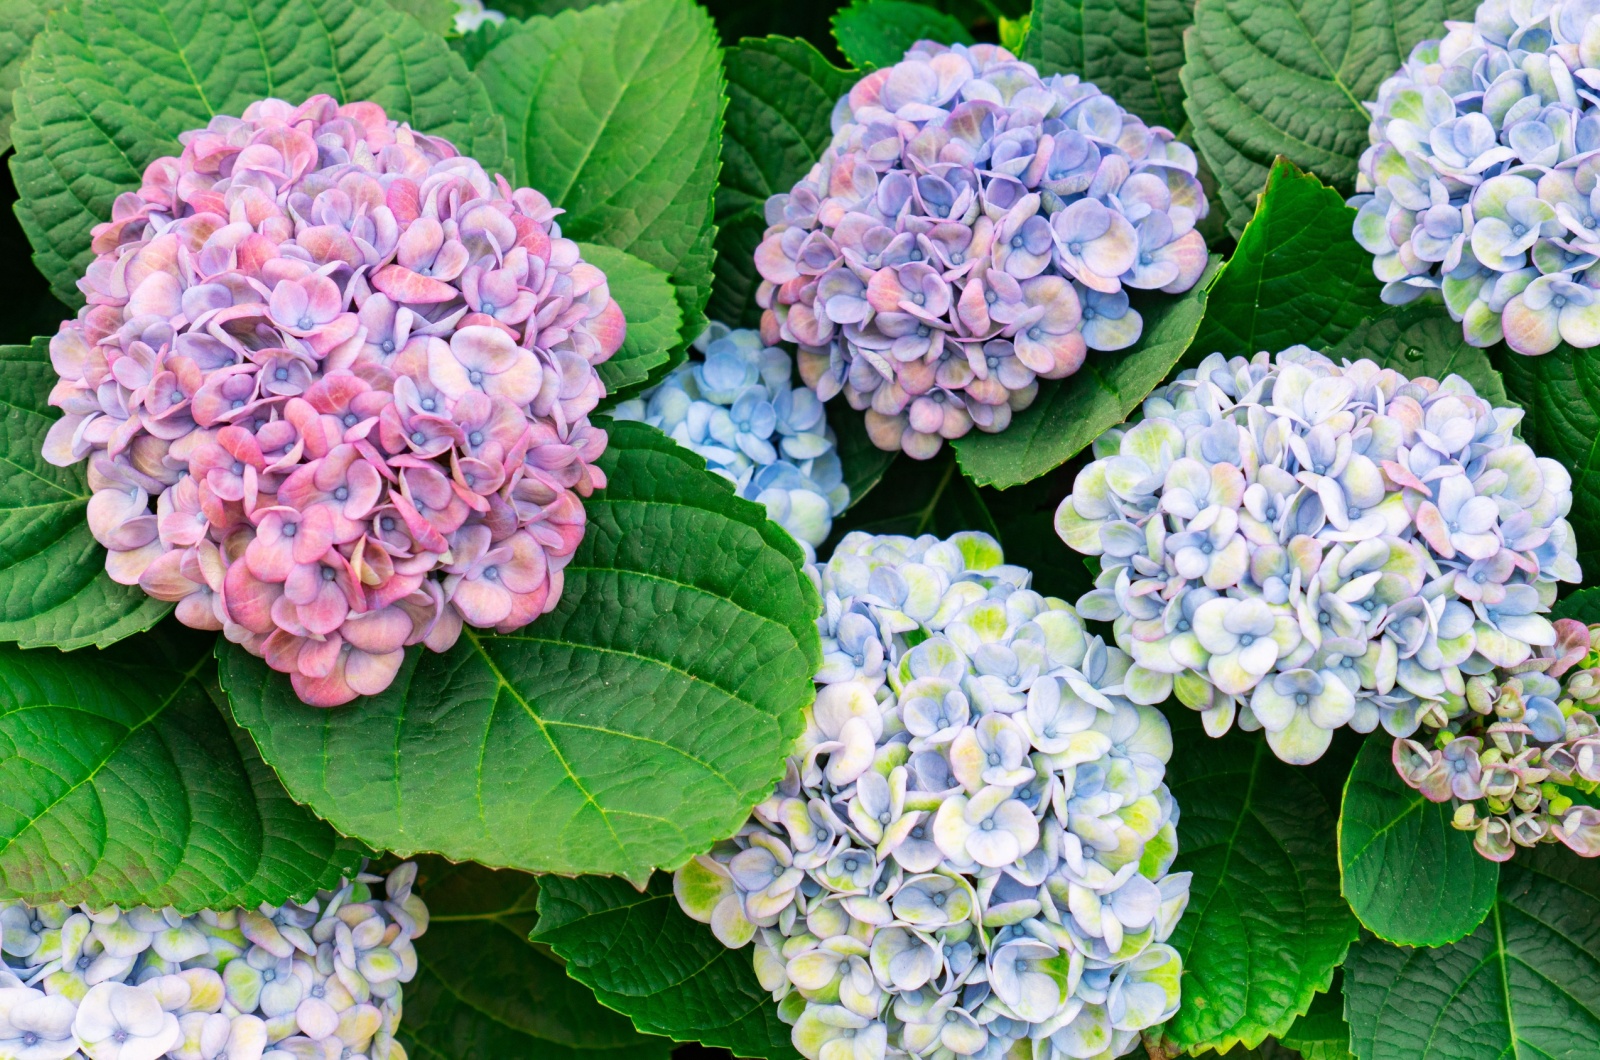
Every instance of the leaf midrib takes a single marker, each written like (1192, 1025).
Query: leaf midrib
(160, 708)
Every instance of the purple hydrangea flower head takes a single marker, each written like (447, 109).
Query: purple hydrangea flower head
(1301, 545)
(972, 228)
(970, 847)
(738, 409)
(316, 978)
(333, 385)
(1480, 184)
(1517, 755)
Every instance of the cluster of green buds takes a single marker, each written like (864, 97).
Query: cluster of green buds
(1519, 752)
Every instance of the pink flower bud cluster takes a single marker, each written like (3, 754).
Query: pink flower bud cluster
(973, 227)
(333, 382)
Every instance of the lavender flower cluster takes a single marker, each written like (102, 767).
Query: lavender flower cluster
(1483, 178)
(968, 854)
(307, 981)
(1513, 751)
(972, 228)
(736, 408)
(352, 373)
(1308, 546)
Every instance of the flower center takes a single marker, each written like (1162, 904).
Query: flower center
(306, 323)
(328, 574)
(988, 825)
(1301, 698)
(387, 345)
(281, 374)
(476, 437)
(994, 758)
(428, 404)
(474, 377)
(342, 493)
(350, 419)
(1247, 640)
(939, 900)
(1075, 247)
(290, 529)
(417, 437)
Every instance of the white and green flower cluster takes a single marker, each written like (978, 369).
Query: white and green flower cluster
(314, 981)
(968, 855)
(1307, 546)
(736, 408)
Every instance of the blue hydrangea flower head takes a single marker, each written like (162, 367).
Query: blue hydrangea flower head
(1482, 183)
(969, 852)
(736, 407)
(1303, 545)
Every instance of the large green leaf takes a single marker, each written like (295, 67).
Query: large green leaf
(54, 590)
(642, 956)
(1421, 339)
(630, 728)
(781, 94)
(651, 308)
(484, 992)
(121, 783)
(111, 83)
(615, 113)
(1288, 77)
(1298, 276)
(1265, 927)
(1526, 984)
(20, 22)
(1071, 413)
(876, 33)
(1131, 49)
(1391, 839)
(1561, 391)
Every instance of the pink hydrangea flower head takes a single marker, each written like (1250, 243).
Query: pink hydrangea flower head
(333, 382)
(973, 228)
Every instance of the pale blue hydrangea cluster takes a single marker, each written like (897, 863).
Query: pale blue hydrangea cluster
(1483, 178)
(314, 981)
(969, 853)
(736, 408)
(1307, 546)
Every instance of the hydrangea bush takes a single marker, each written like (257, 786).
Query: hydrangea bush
(1306, 545)
(738, 409)
(333, 384)
(1512, 753)
(969, 852)
(1480, 184)
(972, 228)
(307, 980)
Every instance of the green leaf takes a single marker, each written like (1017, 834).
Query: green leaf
(111, 84)
(125, 785)
(20, 22)
(1583, 605)
(1322, 1033)
(642, 956)
(864, 464)
(1561, 391)
(436, 16)
(1265, 927)
(878, 33)
(1525, 984)
(54, 590)
(1288, 77)
(630, 728)
(1069, 414)
(781, 94)
(1298, 276)
(651, 308)
(484, 992)
(615, 113)
(1131, 49)
(1390, 838)
(1421, 339)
